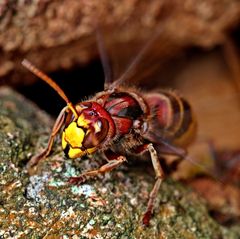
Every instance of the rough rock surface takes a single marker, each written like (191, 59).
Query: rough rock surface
(46, 206)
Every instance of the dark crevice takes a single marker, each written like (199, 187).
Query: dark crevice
(78, 84)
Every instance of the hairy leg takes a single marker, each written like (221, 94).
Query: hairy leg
(113, 163)
(57, 126)
(159, 177)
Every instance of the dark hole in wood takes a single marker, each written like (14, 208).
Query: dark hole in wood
(78, 84)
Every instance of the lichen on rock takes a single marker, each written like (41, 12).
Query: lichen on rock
(111, 206)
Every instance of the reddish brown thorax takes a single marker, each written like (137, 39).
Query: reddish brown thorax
(124, 110)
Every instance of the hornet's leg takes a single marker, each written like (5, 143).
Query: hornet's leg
(112, 163)
(57, 126)
(166, 149)
(159, 177)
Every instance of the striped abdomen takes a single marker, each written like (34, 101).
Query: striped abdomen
(171, 118)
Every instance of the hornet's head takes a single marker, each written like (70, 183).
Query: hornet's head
(88, 131)
(88, 126)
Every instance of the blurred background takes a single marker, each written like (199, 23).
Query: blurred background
(194, 48)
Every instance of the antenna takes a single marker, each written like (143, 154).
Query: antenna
(50, 82)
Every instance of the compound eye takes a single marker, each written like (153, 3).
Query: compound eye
(99, 124)
(103, 127)
(96, 134)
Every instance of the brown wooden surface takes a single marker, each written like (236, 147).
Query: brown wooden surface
(60, 34)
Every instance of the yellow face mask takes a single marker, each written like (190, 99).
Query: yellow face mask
(72, 141)
(87, 132)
